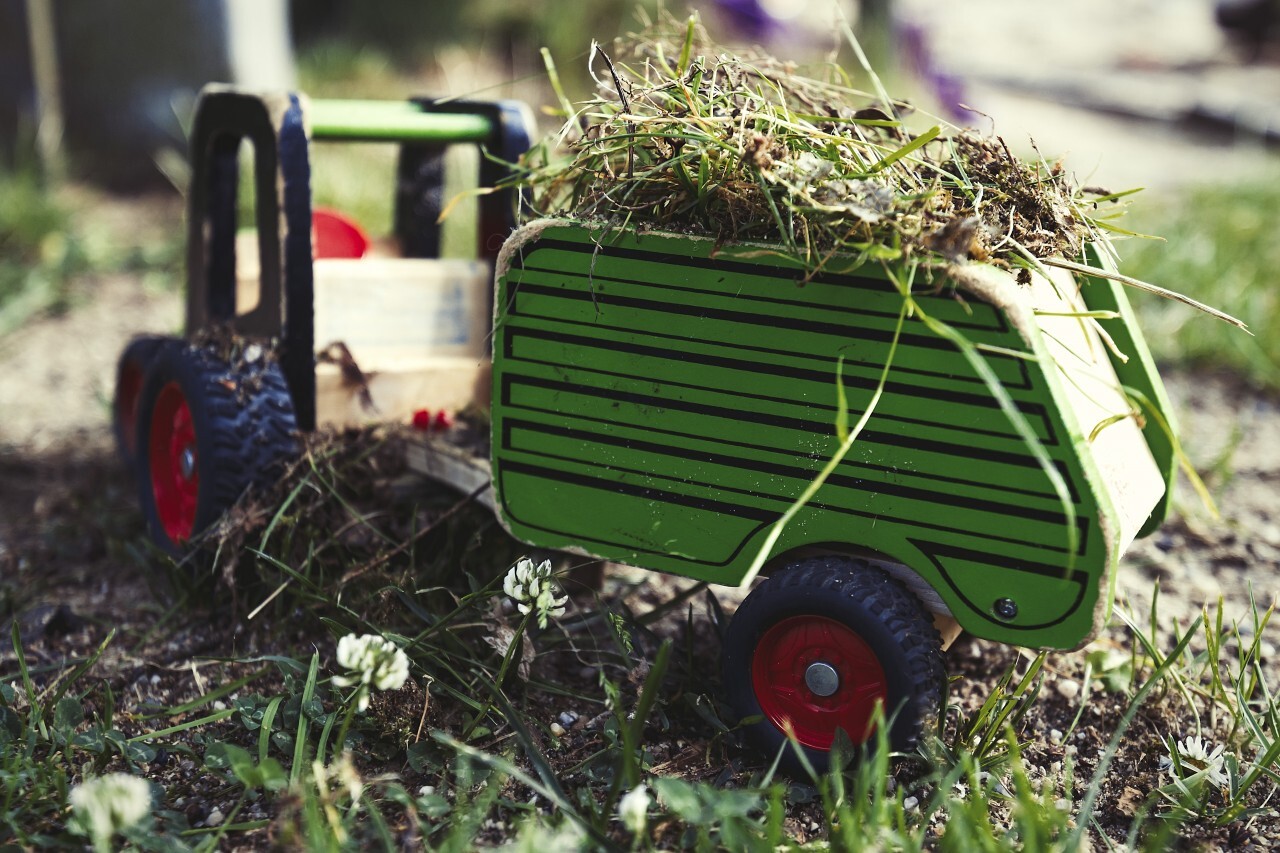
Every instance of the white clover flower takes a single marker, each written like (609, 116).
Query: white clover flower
(633, 809)
(371, 660)
(106, 805)
(1194, 755)
(533, 590)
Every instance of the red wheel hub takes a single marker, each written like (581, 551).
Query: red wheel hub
(128, 389)
(814, 675)
(175, 474)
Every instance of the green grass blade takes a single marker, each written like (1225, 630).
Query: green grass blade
(304, 724)
(264, 733)
(552, 792)
(842, 403)
(766, 549)
(207, 698)
(215, 717)
(914, 145)
(1085, 814)
(1011, 412)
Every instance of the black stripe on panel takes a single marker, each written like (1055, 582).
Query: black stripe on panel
(721, 264)
(794, 472)
(823, 377)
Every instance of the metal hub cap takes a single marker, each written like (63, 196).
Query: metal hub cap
(822, 678)
(187, 463)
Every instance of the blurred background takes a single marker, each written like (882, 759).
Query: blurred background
(1180, 97)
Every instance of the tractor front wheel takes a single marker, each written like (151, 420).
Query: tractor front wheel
(818, 646)
(207, 431)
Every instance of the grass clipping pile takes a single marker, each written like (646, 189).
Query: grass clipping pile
(741, 147)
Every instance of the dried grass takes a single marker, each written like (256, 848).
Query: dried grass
(744, 147)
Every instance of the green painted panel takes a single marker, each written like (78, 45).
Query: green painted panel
(659, 403)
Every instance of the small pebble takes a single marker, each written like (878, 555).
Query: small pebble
(426, 790)
(1068, 688)
(557, 730)
(568, 718)
(910, 803)
(219, 705)
(214, 819)
(1055, 736)
(155, 679)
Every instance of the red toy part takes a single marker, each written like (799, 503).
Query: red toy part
(175, 476)
(336, 236)
(816, 675)
(424, 420)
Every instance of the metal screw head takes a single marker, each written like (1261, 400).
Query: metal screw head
(822, 678)
(1005, 608)
(187, 463)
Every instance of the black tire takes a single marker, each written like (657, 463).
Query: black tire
(801, 618)
(239, 428)
(131, 373)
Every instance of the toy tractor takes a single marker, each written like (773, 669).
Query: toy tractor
(660, 400)
(198, 421)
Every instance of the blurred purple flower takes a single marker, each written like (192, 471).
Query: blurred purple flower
(750, 18)
(947, 88)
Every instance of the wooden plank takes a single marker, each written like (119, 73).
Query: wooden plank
(394, 394)
(438, 460)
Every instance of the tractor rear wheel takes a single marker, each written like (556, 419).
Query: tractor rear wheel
(818, 645)
(207, 431)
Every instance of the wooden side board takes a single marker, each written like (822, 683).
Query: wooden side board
(444, 383)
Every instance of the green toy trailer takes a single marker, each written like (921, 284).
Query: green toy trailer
(661, 401)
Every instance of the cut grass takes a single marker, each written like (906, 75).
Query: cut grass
(745, 147)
